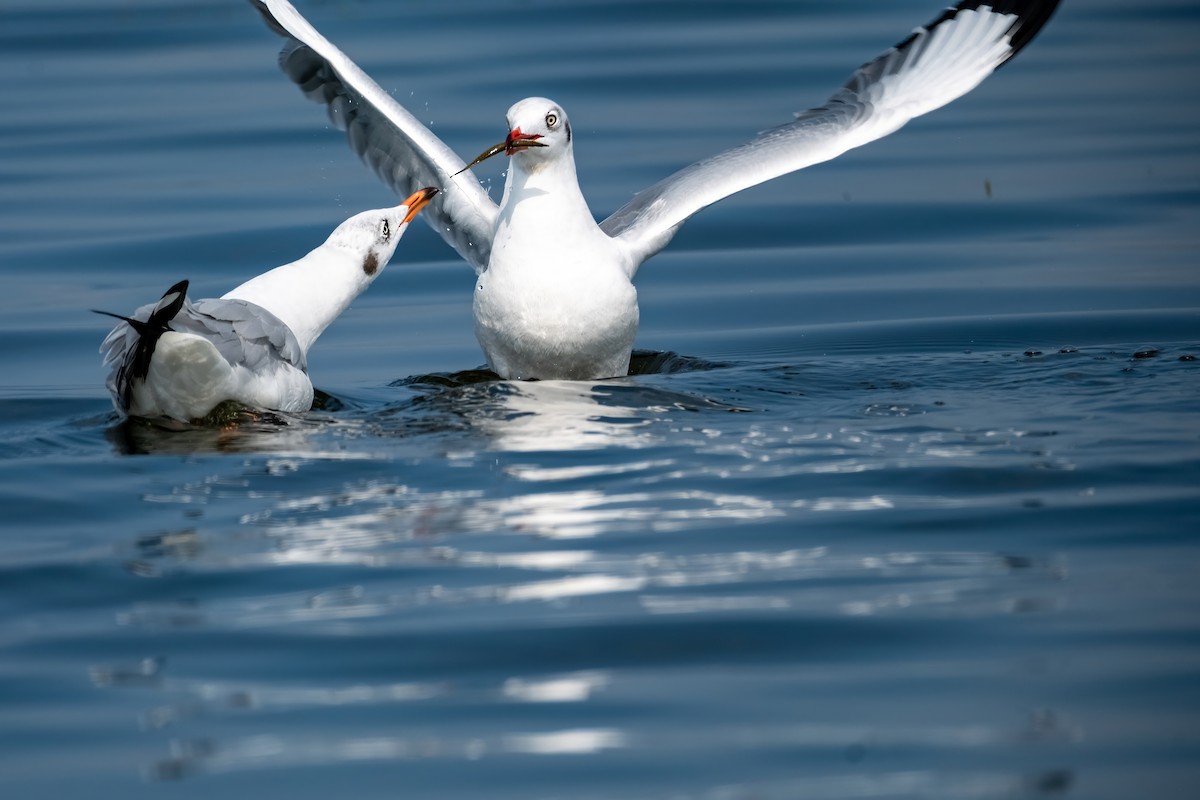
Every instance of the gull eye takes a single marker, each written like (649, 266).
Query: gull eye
(385, 232)
(552, 120)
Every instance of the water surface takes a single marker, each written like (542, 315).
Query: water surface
(901, 504)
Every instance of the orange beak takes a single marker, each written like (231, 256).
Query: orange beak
(418, 201)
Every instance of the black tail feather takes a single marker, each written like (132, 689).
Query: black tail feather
(137, 365)
(137, 324)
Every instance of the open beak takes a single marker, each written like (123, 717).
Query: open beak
(418, 201)
(519, 141)
(514, 142)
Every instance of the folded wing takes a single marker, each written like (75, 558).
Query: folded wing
(245, 335)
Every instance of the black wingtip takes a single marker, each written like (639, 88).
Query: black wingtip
(1032, 16)
(168, 306)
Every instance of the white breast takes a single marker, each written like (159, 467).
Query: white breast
(556, 301)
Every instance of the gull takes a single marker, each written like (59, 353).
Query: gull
(178, 359)
(554, 296)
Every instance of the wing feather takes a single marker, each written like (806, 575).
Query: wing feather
(244, 333)
(402, 151)
(934, 65)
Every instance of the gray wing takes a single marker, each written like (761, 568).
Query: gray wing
(934, 65)
(404, 153)
(242, 332)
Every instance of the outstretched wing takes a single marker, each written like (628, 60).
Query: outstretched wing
(405, 154)
(936, 64)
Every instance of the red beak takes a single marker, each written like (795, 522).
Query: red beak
(517, 140)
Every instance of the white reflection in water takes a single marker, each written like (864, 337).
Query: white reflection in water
(190, 698)
(660, 604)
(531, 472)
(389, 522)
(590, 512)
(775, 451)
(818, 580)
(572, 742)
(873, 503)
(565, 689)
(561, 415)
(537, 560)
(320, 528)
(576, 586)
(374, 524)
(273, 752)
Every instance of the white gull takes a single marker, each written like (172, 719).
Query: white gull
(554, 293)
(179, 359)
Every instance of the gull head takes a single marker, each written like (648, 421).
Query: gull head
(537, 129)
(538, 132)
(372, 236)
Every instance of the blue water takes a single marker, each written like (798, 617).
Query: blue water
(904, 504)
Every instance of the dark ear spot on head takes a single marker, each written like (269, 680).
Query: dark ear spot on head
(370, 263)
(568, 126)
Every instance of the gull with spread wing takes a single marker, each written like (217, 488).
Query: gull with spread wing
(554, 293)
(179, 359)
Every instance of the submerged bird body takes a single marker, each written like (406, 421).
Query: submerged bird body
(180, 359)
(212, 350)
(554, 296)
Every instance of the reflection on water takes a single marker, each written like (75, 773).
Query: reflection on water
(385, 518)
(475, 576)
(559, 415)
(277, 752)
(647, 546)
(917, 523)
(819, 581)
